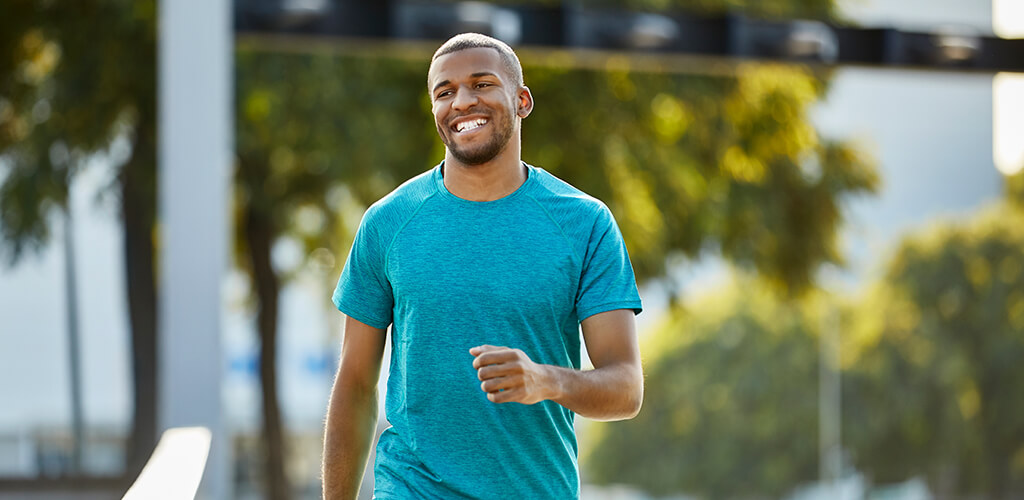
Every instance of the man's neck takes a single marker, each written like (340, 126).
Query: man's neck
(489, 181)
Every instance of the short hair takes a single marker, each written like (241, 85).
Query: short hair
(476, 40)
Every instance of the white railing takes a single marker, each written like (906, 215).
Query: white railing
(176, 467)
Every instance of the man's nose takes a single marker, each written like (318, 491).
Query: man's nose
(464, 99)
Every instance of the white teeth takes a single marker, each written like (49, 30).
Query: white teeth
(470, 124)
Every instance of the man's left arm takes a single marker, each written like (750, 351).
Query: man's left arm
(613, 390)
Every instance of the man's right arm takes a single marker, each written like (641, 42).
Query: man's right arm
(352, 411)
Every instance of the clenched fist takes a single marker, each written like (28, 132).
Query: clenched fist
(509, 375)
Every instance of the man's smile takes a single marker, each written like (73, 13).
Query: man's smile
(468, 124)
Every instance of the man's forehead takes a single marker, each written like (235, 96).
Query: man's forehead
(467, 62)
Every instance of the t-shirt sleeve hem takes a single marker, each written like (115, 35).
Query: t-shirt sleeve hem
(610, 306)
(360, 316)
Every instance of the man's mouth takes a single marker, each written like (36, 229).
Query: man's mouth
(468, 125)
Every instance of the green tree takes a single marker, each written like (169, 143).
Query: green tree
(1014, 190)
(933, 387)
(73, 77)
(731, 401)
(311, 156)
(689, 162)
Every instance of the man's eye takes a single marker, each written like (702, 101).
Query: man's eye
(445, 93)
(483, 84)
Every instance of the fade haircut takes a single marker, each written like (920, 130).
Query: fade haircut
(476, 40)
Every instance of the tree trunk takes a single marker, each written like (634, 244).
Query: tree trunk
(138, 209)
(260, 233)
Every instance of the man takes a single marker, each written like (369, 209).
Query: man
(485, 268)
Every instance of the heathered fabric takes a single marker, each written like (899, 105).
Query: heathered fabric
(451, 274)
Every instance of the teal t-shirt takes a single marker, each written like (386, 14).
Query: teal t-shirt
(450, 274)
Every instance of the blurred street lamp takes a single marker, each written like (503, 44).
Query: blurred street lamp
(281, 14)
(948, 47)
(799, 40)
(621, 30)
(955, 45)
(651, 31)
(440, 21)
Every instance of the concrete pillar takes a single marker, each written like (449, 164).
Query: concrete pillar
(195, 151)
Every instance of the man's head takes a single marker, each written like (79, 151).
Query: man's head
(478, 97)
(476, 40)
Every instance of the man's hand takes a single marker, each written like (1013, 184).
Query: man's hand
(613, 390)
(509, 375)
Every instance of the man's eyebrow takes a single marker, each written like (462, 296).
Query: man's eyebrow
(441, 84)
(478, 74)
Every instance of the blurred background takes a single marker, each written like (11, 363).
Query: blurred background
(824, 207)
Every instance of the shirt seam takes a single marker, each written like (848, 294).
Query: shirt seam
(391, 244)
(610, 306)
(561, 230)
(360, 315)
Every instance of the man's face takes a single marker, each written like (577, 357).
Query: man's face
(474, 104)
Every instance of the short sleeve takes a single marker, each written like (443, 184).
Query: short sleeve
(363, 291)
(607, 280)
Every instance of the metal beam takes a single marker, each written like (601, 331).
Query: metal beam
(572, 26)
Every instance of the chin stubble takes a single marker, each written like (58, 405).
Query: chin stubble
(485, 153)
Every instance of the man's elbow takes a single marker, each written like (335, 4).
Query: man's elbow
(635, 402)
(632, 401)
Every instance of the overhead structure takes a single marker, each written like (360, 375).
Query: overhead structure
(573, 25)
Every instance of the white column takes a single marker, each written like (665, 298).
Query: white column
(1008, 93)
(195, 145)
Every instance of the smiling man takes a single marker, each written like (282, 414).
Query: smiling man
(485, 268)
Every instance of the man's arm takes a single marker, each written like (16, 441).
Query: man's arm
(613, 390)
(352, 411)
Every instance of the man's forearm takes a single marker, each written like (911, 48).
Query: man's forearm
(351, 426)
(613, 392)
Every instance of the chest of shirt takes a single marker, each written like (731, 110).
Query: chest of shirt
(500, 259)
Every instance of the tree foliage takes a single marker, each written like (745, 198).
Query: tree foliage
(1014, 190)
(730, 405)
(73, 77)
(686, 162)
(309, 151)
(931, 379)
(935, 373)
(69, 86)
(689, 162)
(320, 136)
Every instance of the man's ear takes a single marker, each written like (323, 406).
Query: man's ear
(524, 102)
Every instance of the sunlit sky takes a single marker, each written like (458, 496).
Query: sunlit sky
(931, 133)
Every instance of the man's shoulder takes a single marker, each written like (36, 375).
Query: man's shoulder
(402, 202)
(560, 196)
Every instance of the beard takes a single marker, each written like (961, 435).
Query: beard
(478, 155)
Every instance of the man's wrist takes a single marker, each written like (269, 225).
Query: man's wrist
(554, 382)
